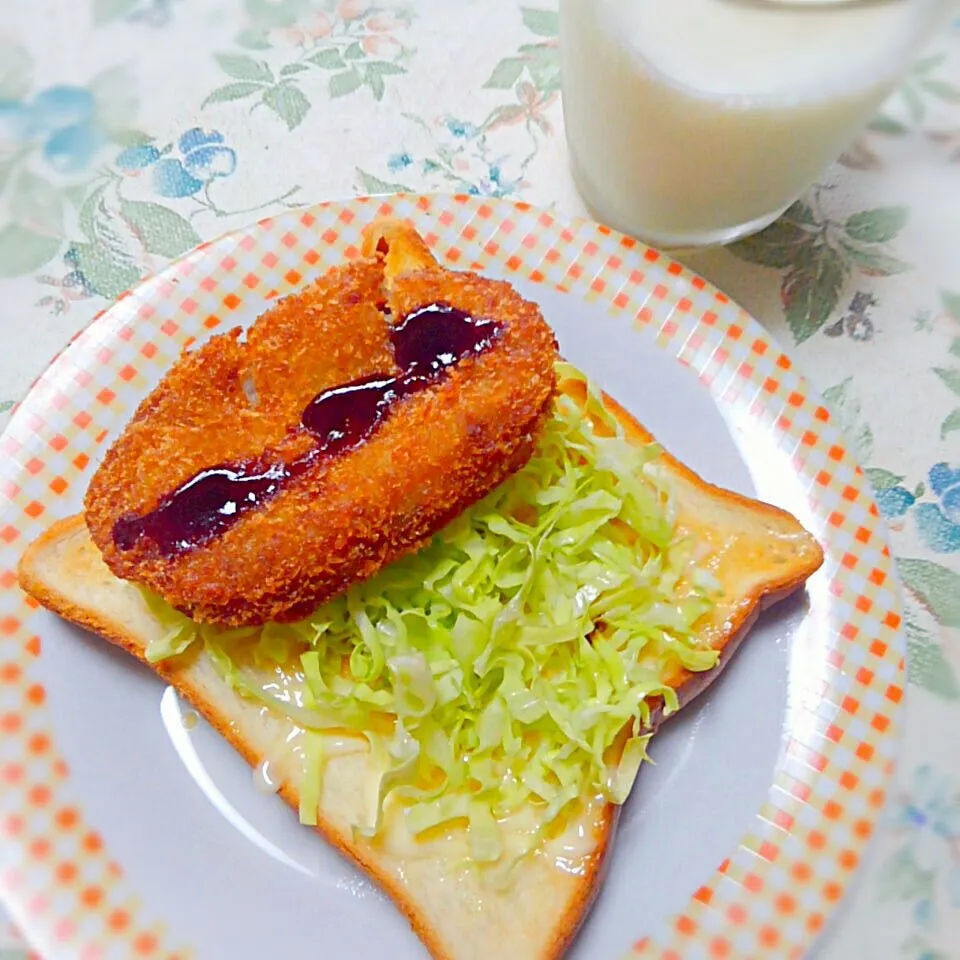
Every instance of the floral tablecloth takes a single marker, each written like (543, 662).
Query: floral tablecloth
(130, 130)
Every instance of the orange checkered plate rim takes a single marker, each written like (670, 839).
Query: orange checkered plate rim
(776, 889)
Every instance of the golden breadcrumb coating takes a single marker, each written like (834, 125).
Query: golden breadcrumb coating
(231, 400)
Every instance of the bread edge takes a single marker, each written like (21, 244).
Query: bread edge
(170, 671)
(571, 920)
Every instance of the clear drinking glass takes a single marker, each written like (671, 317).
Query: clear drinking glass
(697, 122)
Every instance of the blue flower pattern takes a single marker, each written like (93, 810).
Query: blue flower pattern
(931, 807)
(939, 523)
(202, 157)
(894, 502)
(64, 119)
(929, 821)
(495, 184)
(460, 159)
(399, 161)
(461, 129)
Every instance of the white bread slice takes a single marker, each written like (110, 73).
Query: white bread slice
(758, 553)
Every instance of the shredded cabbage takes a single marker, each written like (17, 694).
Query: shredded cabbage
(510, 663)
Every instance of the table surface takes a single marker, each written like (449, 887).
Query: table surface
(130, 130)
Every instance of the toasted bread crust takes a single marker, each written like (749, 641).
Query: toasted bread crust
(777, 585)
(770, 582)
(176, 672)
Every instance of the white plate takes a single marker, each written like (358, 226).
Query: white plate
(749, 779)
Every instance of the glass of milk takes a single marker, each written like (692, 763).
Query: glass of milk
(696, 122)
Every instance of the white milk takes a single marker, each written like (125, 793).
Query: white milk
(696, 121)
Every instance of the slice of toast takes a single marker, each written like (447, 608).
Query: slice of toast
(758, 554)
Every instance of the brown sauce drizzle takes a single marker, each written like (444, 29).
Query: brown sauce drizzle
(425, 344)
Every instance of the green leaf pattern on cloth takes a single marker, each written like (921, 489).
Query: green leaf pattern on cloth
(342, 48)
(821, 254)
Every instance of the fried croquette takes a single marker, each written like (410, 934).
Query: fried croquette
(334, 519)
